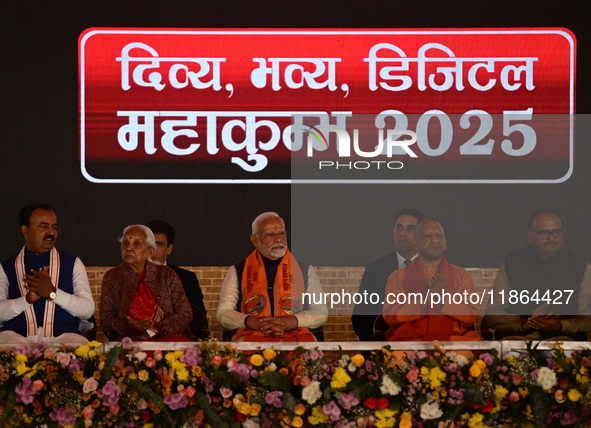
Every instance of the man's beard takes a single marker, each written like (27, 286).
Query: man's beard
(278, 252)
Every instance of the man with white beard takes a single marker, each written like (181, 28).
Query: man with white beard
(262, 296)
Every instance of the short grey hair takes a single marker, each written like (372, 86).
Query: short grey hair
(262, 217)
(147, 232)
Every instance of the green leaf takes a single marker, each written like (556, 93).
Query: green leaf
(289, 401)
(473, 396)
(112, 357)
(539, 406)
(275, 380)
(150, 394)
(212, 418)
(9, 408)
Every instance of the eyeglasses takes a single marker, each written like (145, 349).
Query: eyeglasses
(44, 227)
(545, 234)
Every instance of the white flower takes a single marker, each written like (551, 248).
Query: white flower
(141, 356)
(344, 360)
(389, 387)
(546, 378)
(312, 393)
(272, 367)
(352, 367)
(237, 400)
(461, 360)
(251, 423)
(431, 410)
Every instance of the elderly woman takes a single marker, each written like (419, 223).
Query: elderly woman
(140, 299)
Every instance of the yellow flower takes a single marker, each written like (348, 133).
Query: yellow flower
(82, 351)
(297, 422)
(143, 375)
(500, 392)
(435, 377)
(475, 370)
(358, 360)
(269, 354)
(317, 416)
(405, 420)
(21, 358)
(574, 395)
(300, 409)
(476, 421)
(173, 356)
(255, 409)
(385, 418)
(523, 392)
(256, 360)
(481, 364)
(22, 369)
(340, 378)
(244, 408)
(182, 374)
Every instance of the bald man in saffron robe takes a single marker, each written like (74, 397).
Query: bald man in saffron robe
(426, 290)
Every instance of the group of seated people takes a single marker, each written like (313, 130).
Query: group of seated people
(45, 293)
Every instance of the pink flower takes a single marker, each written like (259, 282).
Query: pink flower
(226, 392)
(90, 385)
(63, 358)
(176, 401)
(413, 374)
(88, 412)
(190, 391)
(38, 385)
(157, 355)
(49, 352)
(305, 381)
(150, 362)
(217, 359)
(514, 397)
(142, 404)
(114, 409)
(517, 379)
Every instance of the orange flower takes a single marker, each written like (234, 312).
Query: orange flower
(166, 381)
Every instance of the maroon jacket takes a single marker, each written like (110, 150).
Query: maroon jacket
(118, 291)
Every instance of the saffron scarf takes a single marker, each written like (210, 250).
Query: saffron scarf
(287, 296)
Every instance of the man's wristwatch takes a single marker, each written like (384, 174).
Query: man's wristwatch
(52, 296)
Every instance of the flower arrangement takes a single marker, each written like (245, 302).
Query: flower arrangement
(213, 385)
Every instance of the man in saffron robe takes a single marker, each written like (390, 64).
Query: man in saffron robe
(551, 285)
(410, 310)
(263, 296)
(44, 293)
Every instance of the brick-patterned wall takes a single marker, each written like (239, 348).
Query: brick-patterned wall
(333, 279)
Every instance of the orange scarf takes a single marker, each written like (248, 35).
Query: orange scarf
(434, 326)
(287, 297)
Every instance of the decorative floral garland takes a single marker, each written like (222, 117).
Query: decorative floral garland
(218, 386)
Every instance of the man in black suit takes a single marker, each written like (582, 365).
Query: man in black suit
(164, 234)
(376, 273)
